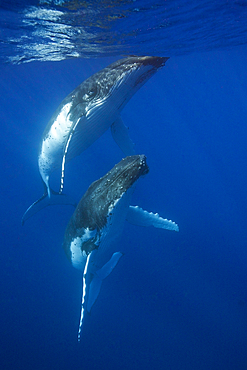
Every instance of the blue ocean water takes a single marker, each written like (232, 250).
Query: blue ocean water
(175, 300)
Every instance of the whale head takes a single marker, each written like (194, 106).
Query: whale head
(101, 209)
(102, 194)
(117, 83)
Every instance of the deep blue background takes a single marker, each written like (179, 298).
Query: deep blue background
(175, 300)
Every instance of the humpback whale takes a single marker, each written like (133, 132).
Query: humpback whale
(91, 235)
(84, 115)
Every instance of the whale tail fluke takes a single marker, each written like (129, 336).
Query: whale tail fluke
(44, 201)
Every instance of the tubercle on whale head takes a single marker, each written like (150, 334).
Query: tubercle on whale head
(118, 180)
(145, 168)
(130, 169)
(139, 161)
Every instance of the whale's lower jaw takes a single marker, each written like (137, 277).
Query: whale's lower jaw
(81, 246)
(78, 256)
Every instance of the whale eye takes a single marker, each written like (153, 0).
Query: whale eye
(90, 95)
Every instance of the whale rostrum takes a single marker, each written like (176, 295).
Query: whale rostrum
(90, 240)
(84, 115)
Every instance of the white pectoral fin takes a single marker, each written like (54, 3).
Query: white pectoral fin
(140, 217)
(99, 276)
(83, 296)
(120, 134)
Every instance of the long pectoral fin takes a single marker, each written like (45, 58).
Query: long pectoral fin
(84, 291)
(140, 217)
(44, 201)
(99, 276)
(120, 134)
(94, 286)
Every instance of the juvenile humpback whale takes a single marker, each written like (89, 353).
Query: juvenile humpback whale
(90, 236)
(84, 115)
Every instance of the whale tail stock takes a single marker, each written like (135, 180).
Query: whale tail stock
(46, 200)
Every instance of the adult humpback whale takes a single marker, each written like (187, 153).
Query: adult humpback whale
(99, 220)
(84, 115)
